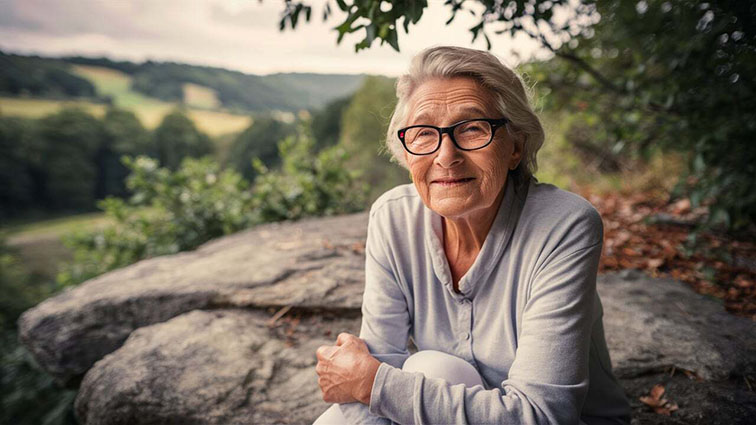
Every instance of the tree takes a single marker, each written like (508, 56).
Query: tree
(70, 141)
(32, 75)
(177, 137)
(543, 20)
(674, 74)
(326, 122)
(17, 188)
(363, 130)
(259, 140)
(124, 134)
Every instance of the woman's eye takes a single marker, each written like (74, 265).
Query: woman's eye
(425, 133)
(472, 128)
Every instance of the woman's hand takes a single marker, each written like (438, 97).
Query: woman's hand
(346, 370)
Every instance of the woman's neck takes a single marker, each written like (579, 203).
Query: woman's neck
(464, 236)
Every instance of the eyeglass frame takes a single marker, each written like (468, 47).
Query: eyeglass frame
(495, 123)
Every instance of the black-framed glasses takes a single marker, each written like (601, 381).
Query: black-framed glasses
(467, 135)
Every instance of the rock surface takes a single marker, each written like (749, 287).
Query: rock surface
(307, 264)
(654, 324)
(209, 367)
(227, 334)
(659, 331)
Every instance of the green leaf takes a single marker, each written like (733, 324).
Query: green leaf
(393, 39)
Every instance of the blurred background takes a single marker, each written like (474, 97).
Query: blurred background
(135, 129)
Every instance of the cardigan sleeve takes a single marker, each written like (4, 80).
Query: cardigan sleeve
(548, 379)
(385, 317)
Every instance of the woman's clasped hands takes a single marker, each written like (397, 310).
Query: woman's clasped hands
(346, 371)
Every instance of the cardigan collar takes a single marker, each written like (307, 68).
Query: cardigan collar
(493, 248)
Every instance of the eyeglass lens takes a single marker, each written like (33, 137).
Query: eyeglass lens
(470, 135)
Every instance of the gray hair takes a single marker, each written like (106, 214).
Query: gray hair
(511, 97)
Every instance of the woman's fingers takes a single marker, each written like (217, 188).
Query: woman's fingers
(344, 337)
(325, 353)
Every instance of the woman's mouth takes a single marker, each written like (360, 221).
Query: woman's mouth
(452, 182)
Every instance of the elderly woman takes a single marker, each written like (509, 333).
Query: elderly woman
(492, 274)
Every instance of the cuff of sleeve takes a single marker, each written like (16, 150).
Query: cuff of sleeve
(375, 392)
(392, 394)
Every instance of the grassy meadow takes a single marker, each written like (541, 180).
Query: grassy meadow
(39, 243)
(201, 103)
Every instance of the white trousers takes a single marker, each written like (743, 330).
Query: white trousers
(432, 364)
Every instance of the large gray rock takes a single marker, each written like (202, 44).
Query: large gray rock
(227, 333)
(210, 367)
(659, 331)
(654, 324)
(307, 264)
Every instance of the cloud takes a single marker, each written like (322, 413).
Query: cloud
(236, 34)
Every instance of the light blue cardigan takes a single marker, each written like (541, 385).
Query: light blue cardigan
(528, 317)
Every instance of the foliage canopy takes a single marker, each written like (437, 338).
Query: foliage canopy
(657, 74)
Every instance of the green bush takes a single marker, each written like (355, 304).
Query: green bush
(173, 211)
(169, 211)
(308, 184)
(27, 394)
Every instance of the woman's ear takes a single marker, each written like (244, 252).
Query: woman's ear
(518, 144)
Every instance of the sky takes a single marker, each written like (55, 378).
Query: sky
(237, 34)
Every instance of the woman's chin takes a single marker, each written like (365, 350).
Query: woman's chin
(451, 206)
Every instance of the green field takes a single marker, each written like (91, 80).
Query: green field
(39, 244)
(200, 100)
(55, 227)
(200, 96)
(37, 108)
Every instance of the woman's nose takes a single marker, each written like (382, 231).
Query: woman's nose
(448, 155)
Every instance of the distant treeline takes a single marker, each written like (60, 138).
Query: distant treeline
(35, 76)
(52, 77)
(66, 161)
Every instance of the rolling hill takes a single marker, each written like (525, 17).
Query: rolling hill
(220, 101)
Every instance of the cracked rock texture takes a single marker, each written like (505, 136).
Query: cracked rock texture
(306, 264)
(207, 367)
(227, 334)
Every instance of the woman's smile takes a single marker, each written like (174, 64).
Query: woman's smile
(452, 182)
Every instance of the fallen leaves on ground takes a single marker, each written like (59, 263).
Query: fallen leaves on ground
(656, 401)
(723, 267)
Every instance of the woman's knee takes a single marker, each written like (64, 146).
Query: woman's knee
(436, 364)
(332, 416)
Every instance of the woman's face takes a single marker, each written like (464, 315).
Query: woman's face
(452, 182)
